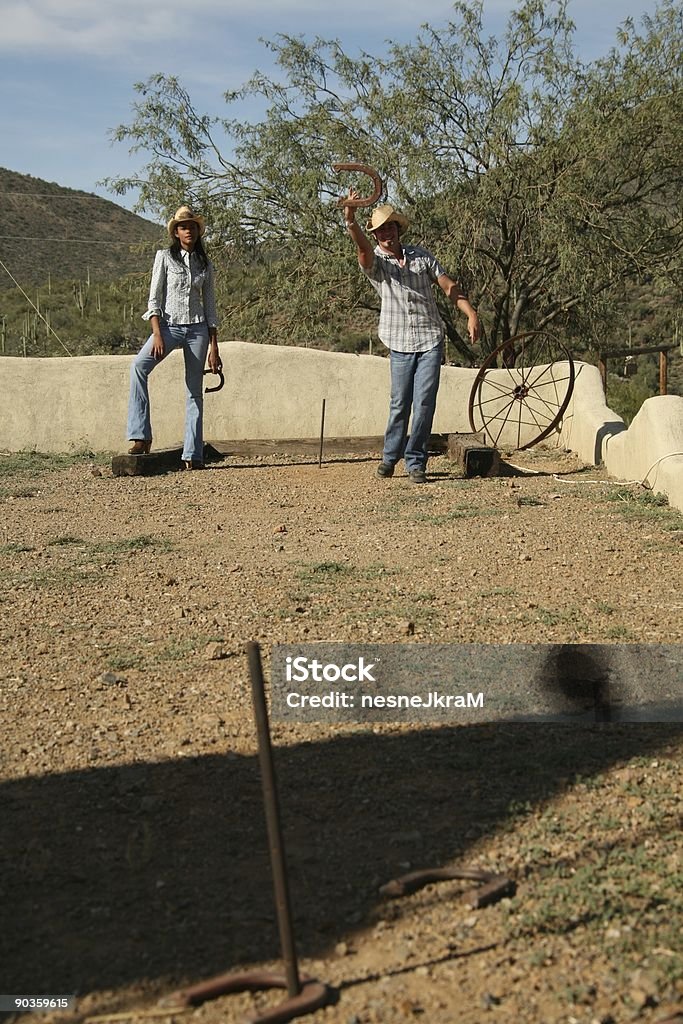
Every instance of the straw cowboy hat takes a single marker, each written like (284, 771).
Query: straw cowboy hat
(385, 214)
(184, 213)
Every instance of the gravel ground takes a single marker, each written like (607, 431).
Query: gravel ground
(134, 856)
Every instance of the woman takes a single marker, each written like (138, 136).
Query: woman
(182, 314)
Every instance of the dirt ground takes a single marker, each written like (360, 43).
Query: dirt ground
(134, 858)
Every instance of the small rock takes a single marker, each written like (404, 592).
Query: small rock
(640, 998)
(341, 949)
(214, 651)
(96, 472)
(408, 629)
(112, 679)
(640, 979)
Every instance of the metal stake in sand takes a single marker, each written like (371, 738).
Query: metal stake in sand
(304, 995)
(322, 435)
(272, 808)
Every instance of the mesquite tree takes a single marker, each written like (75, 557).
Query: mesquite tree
(546, 186)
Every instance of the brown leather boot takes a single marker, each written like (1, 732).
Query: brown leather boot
(140, 448)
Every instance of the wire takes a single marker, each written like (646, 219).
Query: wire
(28, 299)
(91, 241)
(54, 195)
(671, 455)
(605, 483)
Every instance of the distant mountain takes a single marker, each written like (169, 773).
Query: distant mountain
(49, 229)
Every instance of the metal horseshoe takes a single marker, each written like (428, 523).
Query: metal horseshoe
(220, 384)
(364, 169)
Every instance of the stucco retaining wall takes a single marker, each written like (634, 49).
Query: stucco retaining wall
(589, 422)
(272, 391)
(651, 450)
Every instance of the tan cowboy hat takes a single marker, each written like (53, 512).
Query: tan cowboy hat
(385, 214)
(185, 213)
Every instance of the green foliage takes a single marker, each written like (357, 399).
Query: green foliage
(33, 464)
(645, 506)
(625, 395)
(549, 188)
(75, 317)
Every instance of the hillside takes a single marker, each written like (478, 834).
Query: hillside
(60, 232)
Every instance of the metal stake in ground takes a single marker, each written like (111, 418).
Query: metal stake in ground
(272, 808)
(307, 994)
(322, 435)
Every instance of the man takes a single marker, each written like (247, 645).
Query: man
(411, 328)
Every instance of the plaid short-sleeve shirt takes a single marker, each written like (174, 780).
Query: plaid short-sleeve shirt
(409, 319)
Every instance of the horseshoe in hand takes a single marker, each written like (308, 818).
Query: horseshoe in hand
(364, 169)
(221, 380)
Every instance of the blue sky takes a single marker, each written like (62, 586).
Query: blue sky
(68, 67)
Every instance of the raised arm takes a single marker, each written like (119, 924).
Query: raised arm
(364, 248)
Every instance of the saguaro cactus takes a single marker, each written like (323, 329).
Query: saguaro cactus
(81, 297)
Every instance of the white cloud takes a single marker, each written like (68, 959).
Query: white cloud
(161, 29)
(87, 27)
(77, 26)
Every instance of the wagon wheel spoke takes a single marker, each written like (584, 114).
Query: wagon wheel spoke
(510, 407)
(550, 406)
(493, 385)
(542, 372)
(522, 390)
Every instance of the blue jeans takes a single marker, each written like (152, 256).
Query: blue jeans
(194, 341)
(414, 382)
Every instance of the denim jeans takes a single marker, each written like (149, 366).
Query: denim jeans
(194, 341)
(414, 382)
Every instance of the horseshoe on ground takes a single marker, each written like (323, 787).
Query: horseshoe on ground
(364, 169)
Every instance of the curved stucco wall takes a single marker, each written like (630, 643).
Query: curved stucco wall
(651, 450)
(273, 391)
(589, 422)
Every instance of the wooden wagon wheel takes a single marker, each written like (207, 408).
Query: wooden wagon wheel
(522, 390)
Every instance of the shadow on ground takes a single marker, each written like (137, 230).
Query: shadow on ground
(160, 871)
